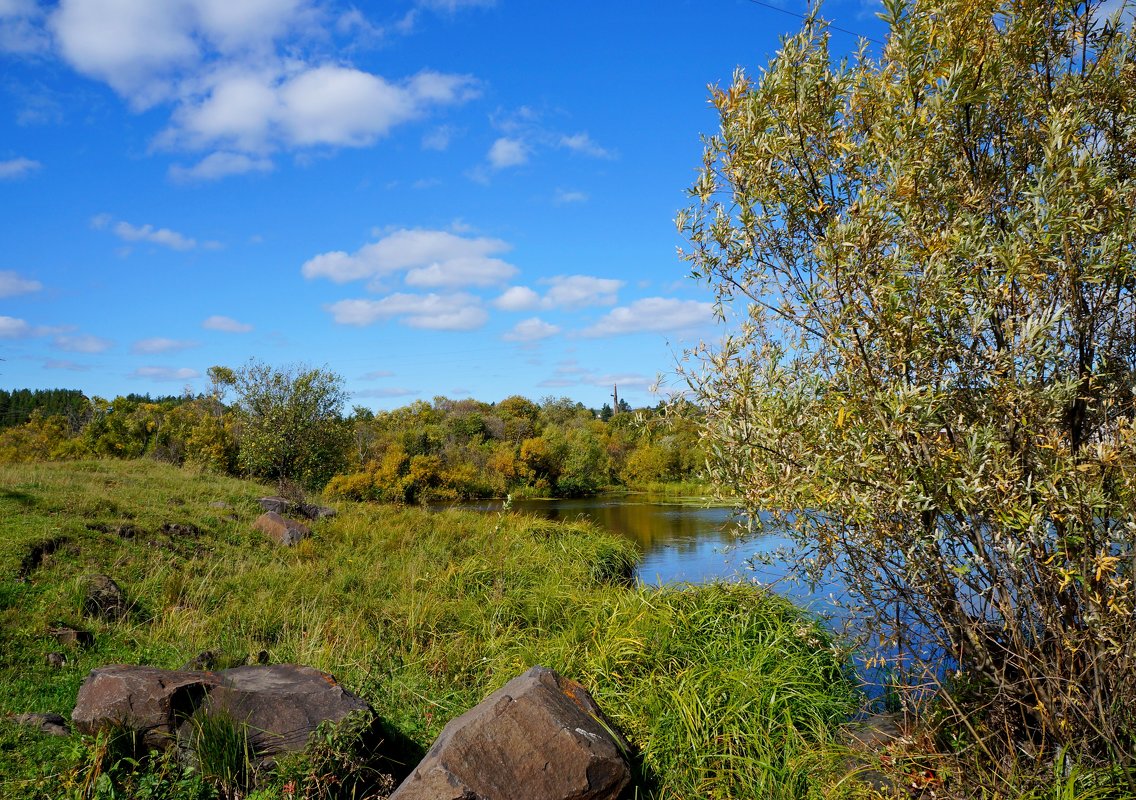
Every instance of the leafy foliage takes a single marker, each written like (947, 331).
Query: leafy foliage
(929, 262)
(291, 422)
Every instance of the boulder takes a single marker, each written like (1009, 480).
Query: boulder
(149, 700)
(104, 599)
(51, 724)
(280, 530)
(280, 705)
(72, 637)
(283, 507)
(540, 735)
(314, 512)
(277, 505)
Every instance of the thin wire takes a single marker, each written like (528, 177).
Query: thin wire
(772, 7)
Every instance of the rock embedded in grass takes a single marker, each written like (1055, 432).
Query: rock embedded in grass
(72, 637)
(149, 700)
(104, 599)
(51, 724)
(540, 735)
(281, 530)
(279, 707)
(283, 506)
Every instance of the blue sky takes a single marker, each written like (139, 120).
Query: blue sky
(441, 197)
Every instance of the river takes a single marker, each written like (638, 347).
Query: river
(681, 542)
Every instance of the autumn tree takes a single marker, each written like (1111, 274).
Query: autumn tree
(926, 261)
(291, 424)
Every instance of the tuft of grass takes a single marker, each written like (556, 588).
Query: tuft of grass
(220, 753)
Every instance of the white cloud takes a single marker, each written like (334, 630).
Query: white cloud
(62, 363)
(13, 328)
(578, 291)
(225, 324)
(392, 391)
(566, 291)
(456, 312)
(166, 373)
(258, 110)
(583, 143)
(531, 330)
(564, 197)
(474, 271)
(431, 258)
(12, 284)
(161, 344)
(220, 165)
(148, 233)
(451, 6)
(82, 343)
(518, 298)
(245, 78)
(21, 27)
(17, 168)
(133, 45)
(438, 139)
(653, 314)
(507, 152)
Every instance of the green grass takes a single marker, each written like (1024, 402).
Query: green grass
(724, 691)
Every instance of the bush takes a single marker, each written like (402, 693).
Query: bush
(931, 254)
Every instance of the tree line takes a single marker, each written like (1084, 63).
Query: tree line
(289, 424)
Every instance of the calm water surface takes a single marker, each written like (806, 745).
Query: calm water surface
(681, 542)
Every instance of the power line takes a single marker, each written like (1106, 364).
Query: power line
(772, 7)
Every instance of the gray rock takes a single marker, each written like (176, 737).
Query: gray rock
(104, 599)
(149, 700)
(277, 505)
(539, 735)
(280, 530)
(56, 660)
(281, 705)
(51, 724)
(314, 512)
(72, 637)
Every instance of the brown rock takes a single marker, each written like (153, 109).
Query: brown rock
(145, 699)
(539, 735)
(282, 531)
(281, 705)
(104, 599)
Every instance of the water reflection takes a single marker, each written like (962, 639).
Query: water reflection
(681, 543)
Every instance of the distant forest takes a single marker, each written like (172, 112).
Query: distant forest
(442, 450)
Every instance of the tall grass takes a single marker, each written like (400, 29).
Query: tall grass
(723, 691)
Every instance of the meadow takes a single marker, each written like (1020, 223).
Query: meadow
(722, 690)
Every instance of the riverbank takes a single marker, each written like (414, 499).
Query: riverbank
(721, 690)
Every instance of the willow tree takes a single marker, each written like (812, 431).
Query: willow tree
(925, 260)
